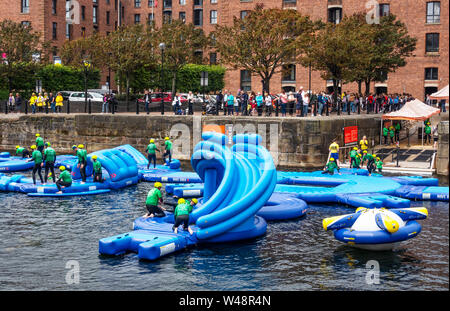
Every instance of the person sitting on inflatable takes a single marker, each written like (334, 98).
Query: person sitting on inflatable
(153, 198)
(151, 153)
(330, 167)
(97, 169)
(168, 147)
(65, 179)
(353, 154)
(181, 214)
(379, 164)
(22, 151)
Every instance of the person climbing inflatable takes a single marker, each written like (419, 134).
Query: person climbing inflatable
(168, 152)
(371, 163)
(151, 153)
(22, 151)
(65, 179)
(330, 167)
(181, 214)
(379, 164)
(97, 169)
(353, 154)
(153, 198)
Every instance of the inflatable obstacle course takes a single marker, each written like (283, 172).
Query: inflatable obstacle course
(237, 184)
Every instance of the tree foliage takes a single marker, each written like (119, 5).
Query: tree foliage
(265, 40)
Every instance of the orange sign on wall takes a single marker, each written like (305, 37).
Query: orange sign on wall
(214, 128)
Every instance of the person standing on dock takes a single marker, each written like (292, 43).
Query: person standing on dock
(364, 144)
(392, 134)
(151, 153)
(168, 152)
(36, 156)
(49, 158)
(397, 127)
(385, 134)
(428, 133)
(153, 198)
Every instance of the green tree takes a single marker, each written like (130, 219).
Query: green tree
(264, 40)
(182, 41)
(129, 49)
(19, 46)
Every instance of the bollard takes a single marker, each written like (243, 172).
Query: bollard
(26, 106)
(327, 112)
(113, 111)
(68, 106)
(6, 107)
(277, 108)
(359, 107)
(137, 106)
(90, 106)
(46, 107)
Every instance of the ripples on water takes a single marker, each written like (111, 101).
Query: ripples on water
(40, 235)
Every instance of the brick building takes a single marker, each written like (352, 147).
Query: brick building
(427, 20)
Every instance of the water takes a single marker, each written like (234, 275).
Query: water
(39, 237)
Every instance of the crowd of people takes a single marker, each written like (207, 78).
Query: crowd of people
(304, 103)
(38, 102)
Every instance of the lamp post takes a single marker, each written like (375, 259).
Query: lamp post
(162, 47)
(109, 74)
(86, 65)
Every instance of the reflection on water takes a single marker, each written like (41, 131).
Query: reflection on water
(40, 235)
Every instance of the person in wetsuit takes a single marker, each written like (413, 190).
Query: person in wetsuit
(371, 163)
(22, 151)
(82, 161)
(168, 152)
(181, 214)
(40, 143)
(97, 169)
(49, 158)
(330, 167)
(153, 198)
(36, 156)
(151, 153)
(65, 179)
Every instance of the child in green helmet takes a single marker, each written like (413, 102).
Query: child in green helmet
(181, 214)
(379, 164)
(353, 154)
(331, 167)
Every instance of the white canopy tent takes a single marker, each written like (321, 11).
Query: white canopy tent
(414, 110)
(441, 94)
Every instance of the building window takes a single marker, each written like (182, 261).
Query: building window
(213, 17)
(334, 15)
(167, 17)
(246, 81)
(213, 1)
(432, 42)
(137, 3)
(54, 31)
(433, 12)
(243, 14)
(26, 23)
(213, 58)
(94, 14)
(289, 1)
(431, 73)
(167, 4)
(107, 18)
(198, 17)
(54, 7)
(288, 73)
(198, 2)
(25, 6)
(384, 9)
(182, 16)
(83, 13)
(151, 3)
(83, 32)
(182, 2)
(137, 18)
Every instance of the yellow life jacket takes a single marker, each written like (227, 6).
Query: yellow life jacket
(59, 100)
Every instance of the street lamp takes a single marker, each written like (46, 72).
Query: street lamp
(162, 47)
(86, 66)
(109, 74)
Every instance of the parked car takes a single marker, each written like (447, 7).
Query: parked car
(167, 96)
(79, 97)
(66, 94)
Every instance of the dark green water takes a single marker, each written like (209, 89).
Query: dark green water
(39, 237)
